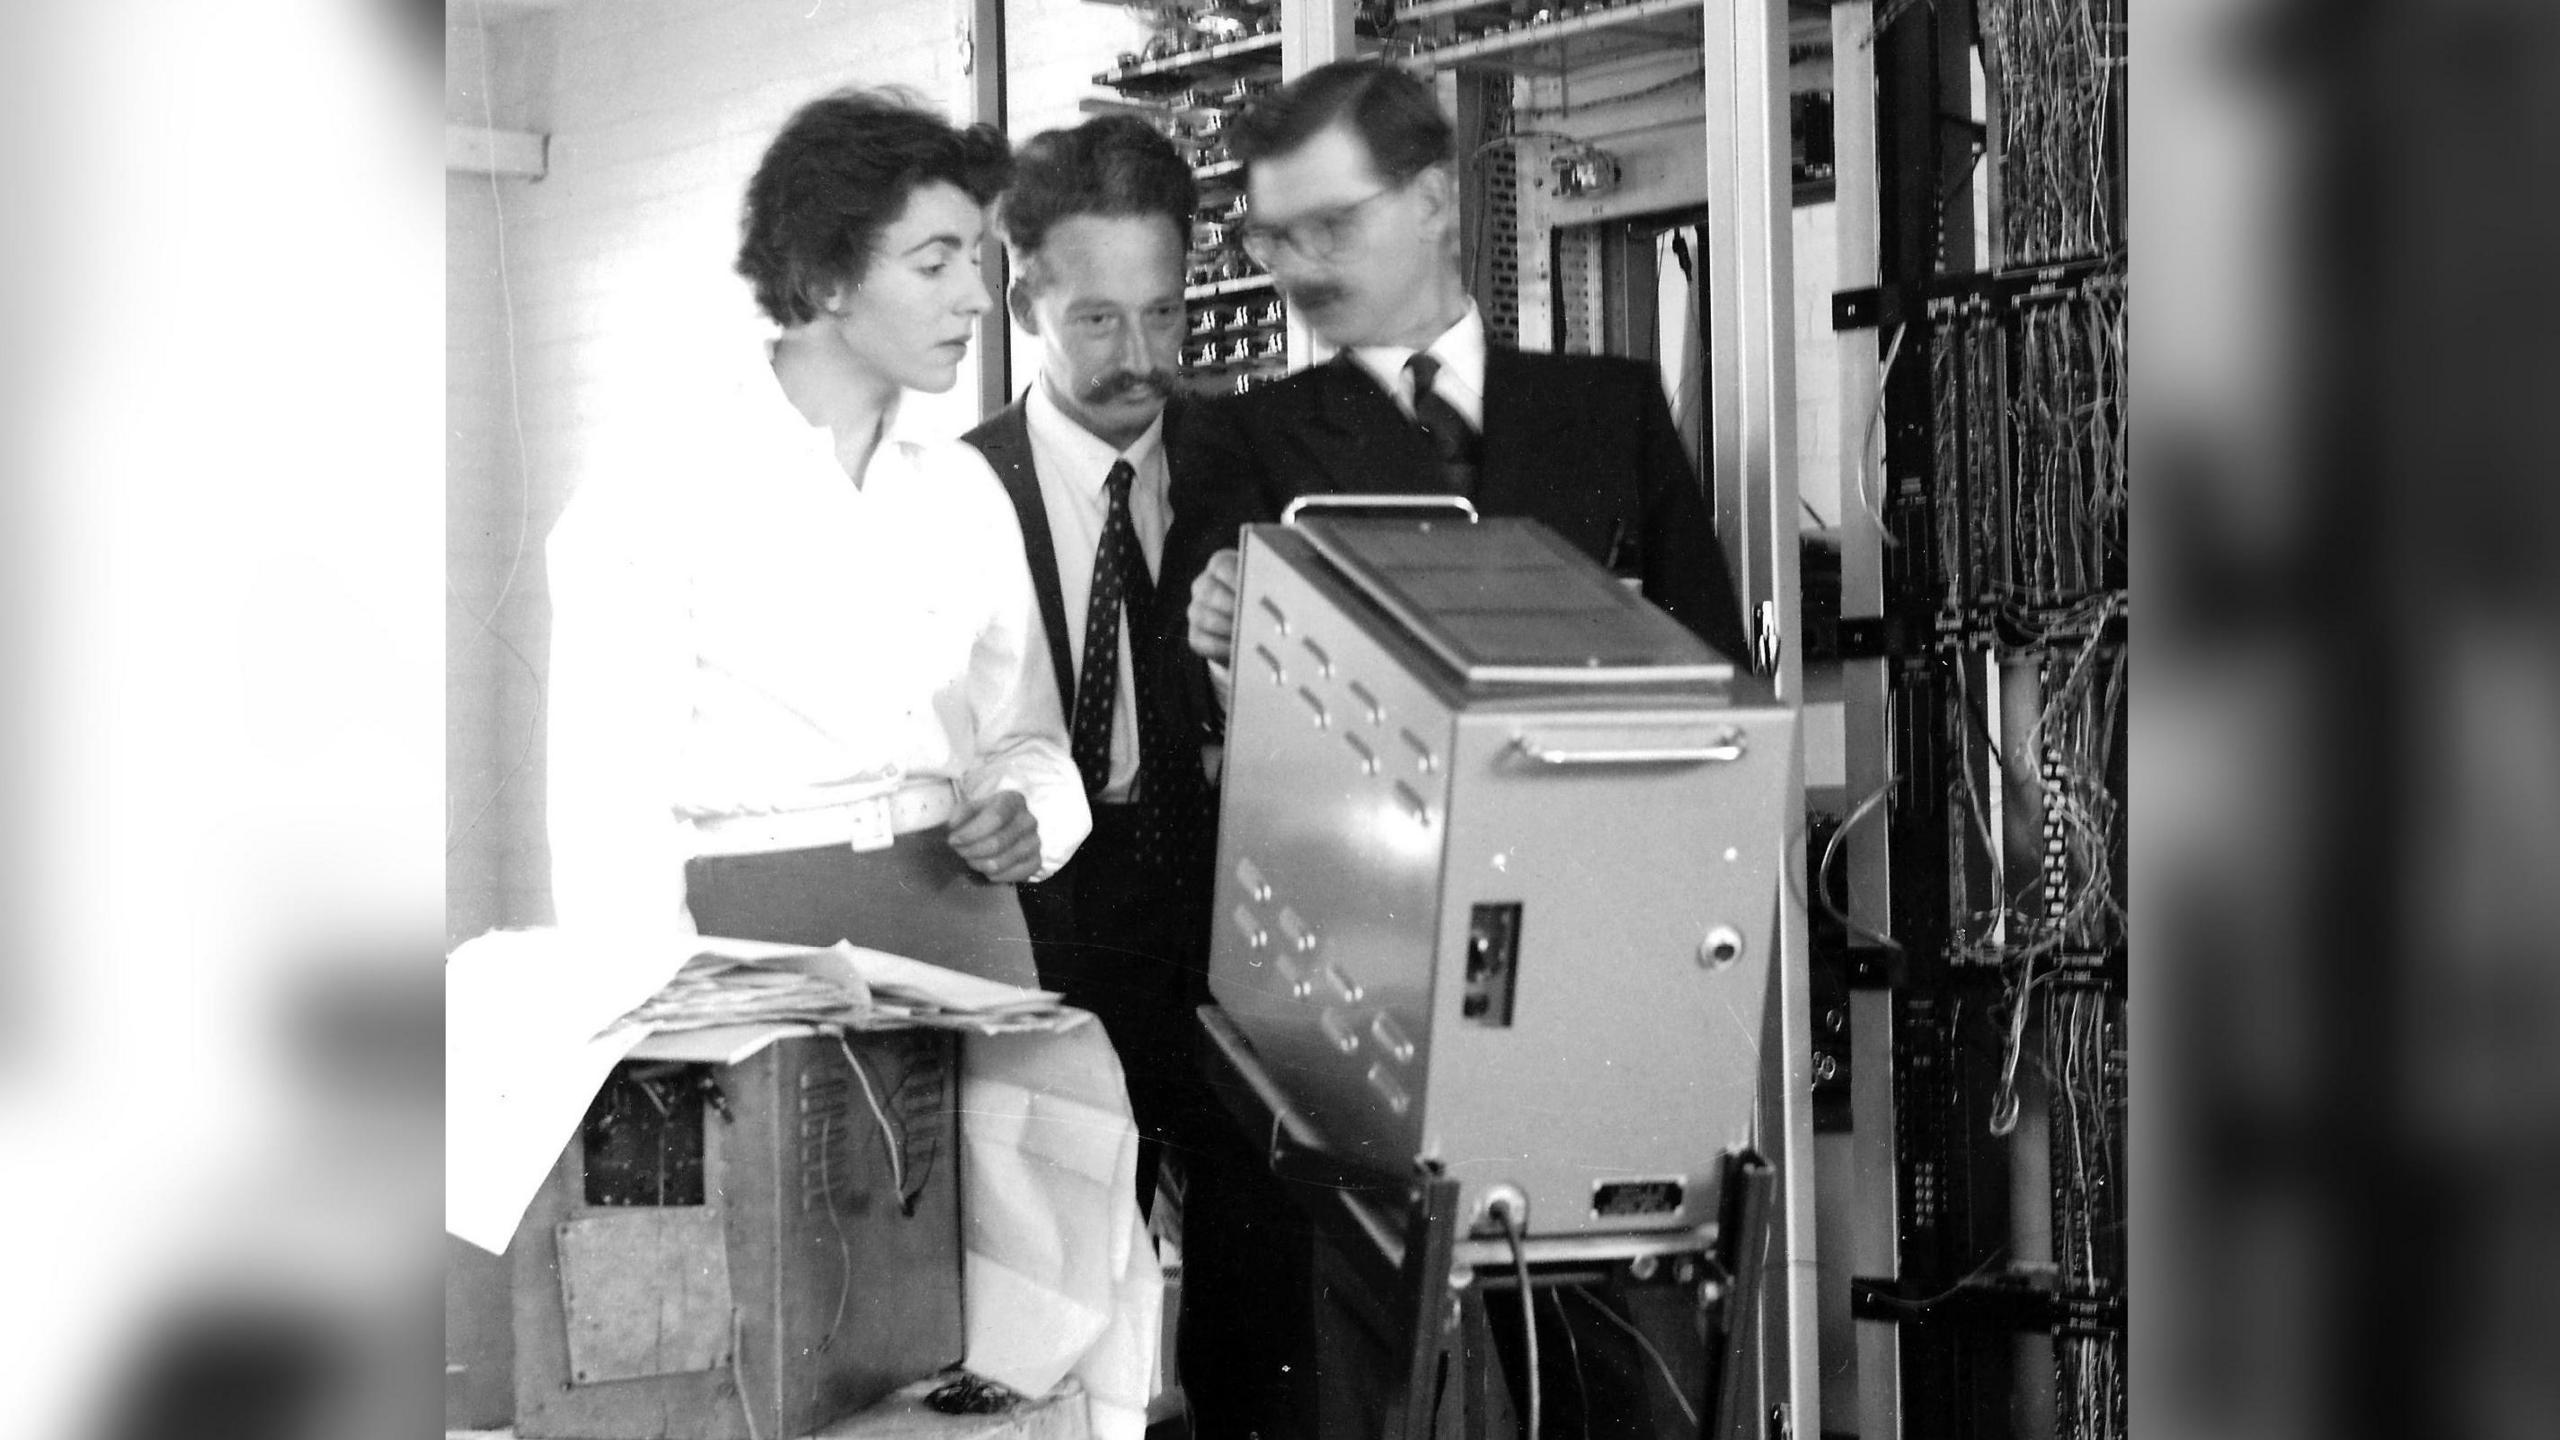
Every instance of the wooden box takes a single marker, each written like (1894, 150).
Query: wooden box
(780, 1235)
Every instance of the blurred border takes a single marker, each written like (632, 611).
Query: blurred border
(2347, 731)
(221, 613)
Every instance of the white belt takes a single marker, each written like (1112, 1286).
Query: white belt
(873, 823)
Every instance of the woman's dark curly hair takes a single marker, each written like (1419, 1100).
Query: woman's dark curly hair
(839, 173)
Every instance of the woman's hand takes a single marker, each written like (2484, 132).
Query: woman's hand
(998, 836)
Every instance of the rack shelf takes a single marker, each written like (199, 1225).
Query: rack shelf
(1434, 9)
(1539, 45)
(1234, 57)
(1221, 289)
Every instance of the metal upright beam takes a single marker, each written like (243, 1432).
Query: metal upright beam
(1751, 396)
(1750, 320)
(1876, 1248)
(1313, 33)
(977, 33)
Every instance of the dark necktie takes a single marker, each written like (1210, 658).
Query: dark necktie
(1171, 795)
(1455, 441)
(1119, 579)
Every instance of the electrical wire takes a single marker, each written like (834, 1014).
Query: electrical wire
(2004, 1097)
(1870, 459)
(2077, 773)
(844, 1245)
(1831, 852)
(888, 1133)
(487, 624)
(2085, 882)
(1573, 1349)
(738, 1370)
(2029, 485)
(2086, 1203)
(1670, 1380)
(2031, 475)
(1528, 1311)
(1976, 1273)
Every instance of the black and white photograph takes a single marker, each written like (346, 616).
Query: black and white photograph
(1280, 719)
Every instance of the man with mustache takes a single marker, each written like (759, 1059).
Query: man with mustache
(1097, 222)
(1351, 171)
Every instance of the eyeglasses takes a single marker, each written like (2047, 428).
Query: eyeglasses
(1319, 236)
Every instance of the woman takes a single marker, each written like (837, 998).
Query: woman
(799, 688)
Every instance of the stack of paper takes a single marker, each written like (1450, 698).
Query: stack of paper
(745, 982)
(715, 990)
(535, 1020)
(910, 992)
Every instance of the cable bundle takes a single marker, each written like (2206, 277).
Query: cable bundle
(2084, 1058)
(2056, 71)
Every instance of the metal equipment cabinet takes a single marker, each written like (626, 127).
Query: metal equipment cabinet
(1701, 128)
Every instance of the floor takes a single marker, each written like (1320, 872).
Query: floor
(904, 1416)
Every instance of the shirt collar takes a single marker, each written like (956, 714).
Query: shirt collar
(1086, 457)
(780, 423)
(1459, 349)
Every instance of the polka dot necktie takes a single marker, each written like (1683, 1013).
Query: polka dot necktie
(1119, 580)
(1171, 795)
(1455, 441)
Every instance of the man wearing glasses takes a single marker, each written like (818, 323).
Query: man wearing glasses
(1351, 173)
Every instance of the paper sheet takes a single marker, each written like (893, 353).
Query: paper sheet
(528, 1040)
(1059, 1275)
(534, 1024)
(714, 1044)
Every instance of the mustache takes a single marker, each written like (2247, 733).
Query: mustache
(1122, 384)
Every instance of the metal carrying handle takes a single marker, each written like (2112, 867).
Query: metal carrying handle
(1393, 507)
(1725, 746)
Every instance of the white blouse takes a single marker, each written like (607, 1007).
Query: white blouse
(739, 629)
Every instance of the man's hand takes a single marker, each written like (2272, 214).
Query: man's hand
(1212, 614)
(998, 836)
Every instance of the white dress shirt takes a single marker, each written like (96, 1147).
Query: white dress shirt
(1460, 379)
(739, 629)
(1072, 463)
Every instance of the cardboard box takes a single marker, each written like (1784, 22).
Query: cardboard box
(719, 1238)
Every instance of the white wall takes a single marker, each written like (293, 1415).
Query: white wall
(486, 530)
(1053, 49)
(576, 300)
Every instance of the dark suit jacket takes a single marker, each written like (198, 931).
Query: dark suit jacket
(1006, 442)
(1583, 443)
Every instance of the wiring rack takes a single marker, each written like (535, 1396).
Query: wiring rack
(2013, 518)
(2001, 323)
(2057, 72)
(2084, 1063)
(2030, 457)
(1205, 61)
(1535, 36)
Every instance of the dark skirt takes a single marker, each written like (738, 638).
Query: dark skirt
(915, 898)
